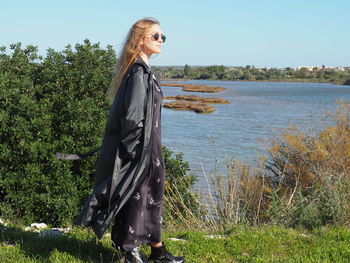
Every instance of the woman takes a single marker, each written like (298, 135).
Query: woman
(129, 181)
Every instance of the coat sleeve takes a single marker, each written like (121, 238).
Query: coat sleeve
(133, 121)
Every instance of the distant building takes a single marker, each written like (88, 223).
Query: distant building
(312, 68)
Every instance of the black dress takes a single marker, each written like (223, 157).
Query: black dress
(140, 220)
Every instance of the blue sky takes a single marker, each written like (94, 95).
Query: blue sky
(199, 32)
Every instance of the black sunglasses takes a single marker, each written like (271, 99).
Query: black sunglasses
(156, 36)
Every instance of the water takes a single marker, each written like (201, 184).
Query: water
(245, 128)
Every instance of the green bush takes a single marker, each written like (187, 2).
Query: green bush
(50, 104)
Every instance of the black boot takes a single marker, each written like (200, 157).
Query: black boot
(135, 256)
(161, 255)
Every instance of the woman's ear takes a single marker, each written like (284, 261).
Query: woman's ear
(141, 46)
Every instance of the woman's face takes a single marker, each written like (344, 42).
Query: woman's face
(149, 44)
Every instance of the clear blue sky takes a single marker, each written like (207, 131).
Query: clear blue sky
(272, 33)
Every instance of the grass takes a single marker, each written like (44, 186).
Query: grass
(237, 244)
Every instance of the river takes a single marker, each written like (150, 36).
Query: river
(245, 128)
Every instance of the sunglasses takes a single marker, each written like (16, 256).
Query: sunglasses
(156, 36)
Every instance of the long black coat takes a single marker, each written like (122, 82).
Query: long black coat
(125, 155)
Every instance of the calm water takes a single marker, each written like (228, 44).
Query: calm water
(245, 128)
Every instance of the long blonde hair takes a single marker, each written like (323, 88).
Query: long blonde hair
(130, 52)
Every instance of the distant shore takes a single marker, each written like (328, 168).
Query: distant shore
(270, 80)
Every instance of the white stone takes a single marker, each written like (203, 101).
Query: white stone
(28, 228)
(215, 236)
(38, 225)
(10, 245)
(2, 222)
(177, 239)
(5, 244)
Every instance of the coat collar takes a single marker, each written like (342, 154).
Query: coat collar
(140, 61)
(148, 69)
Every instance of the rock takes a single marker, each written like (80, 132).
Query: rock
(35, 227)
(38, 225)
(2, 222)
(6, 244)
(31, 229)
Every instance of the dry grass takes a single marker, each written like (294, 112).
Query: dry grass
(313, 173)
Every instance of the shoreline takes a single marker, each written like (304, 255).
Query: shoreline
(270, 80)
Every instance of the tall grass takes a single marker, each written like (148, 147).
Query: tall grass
(312, 174)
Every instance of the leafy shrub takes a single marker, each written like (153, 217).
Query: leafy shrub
(46, 105)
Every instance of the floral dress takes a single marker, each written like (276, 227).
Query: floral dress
(140, 220)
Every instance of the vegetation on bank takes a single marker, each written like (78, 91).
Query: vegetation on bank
(198, 107)
(194, 103)
(198, 99)
(251, 73)
(191, 102)
(195, 88)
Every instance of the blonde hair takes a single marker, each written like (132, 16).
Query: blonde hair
(131, 50)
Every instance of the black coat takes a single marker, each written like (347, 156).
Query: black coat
(125, 155)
